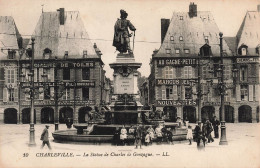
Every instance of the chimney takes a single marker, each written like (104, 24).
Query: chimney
(164, 27)
(192, 10)
(258, 8)
(61, 15)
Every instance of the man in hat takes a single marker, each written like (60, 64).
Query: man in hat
(215, 124)
(121, 35)
(45, 137)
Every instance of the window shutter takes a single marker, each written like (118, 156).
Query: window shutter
(52, 93)
(79, 75)
(51, 79)
(41, 95)
(256, 93)
(72, 74)
(174, 73)
(238, 92)
(60, 74)
(163, 93)
(194, 90)
(72, 94)
(40, 74)
(251, 93)
(175, 92)
(5, 95)
(163, 72)
(16, 95)
(178, 72)
(79, 93)
(183, 92)
(35, 75)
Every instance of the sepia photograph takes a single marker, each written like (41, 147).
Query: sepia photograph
(129, 83)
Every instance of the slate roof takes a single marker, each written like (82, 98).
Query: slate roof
(249, 32)
(71, 36)
(8, 35)
(232, 44)
(193, 30)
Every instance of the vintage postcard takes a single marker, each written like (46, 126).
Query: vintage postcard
(129, 83)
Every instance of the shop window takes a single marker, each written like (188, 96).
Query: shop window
(85, 73)
(85, 93)
(66, 74)
(244, 92)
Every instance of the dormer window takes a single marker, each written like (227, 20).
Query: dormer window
(66, 54)
(47, 53)
(168, 51)
(177, 51)
(85, 53)
(172, 38)
(242, 50)
(205, 50)
(186, 51)
(181, 17)
(257, 49)
(206, 39)
(11, 54)
(181, 38)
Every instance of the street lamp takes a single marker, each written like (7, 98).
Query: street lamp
(222, 90)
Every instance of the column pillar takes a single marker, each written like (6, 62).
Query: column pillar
(75, 115)
(38, 115)
(235, 114)
(253, 114)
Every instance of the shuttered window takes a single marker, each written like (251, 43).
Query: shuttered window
(244, 92)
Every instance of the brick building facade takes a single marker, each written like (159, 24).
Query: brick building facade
(189, 51)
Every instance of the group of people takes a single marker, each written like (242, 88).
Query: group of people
(143, 135)
(203, 131)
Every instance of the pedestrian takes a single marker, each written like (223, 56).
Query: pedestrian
(209, 129)
(123, 135)
(158, 133)
(200, 134)
(138, 137)
(169, 136)
(116, 136)
(130, 136)
(189, 134)
(151, 133)
(147, 139)
(45, 137)
(215, 124)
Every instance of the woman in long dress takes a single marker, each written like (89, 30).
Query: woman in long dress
(123, 135)
(189, 134)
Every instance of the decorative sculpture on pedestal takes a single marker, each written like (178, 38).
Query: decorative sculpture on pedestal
(121, 35)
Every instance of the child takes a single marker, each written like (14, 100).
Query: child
(189, 134)
(147, 138)
(169, 136)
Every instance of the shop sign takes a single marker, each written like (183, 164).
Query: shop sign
(176, 61)
(80, 84)
(60, 102)
(214, 103)
(247, 60)
(175, 103)
(52, 84)
(175, 82)
(88, 64)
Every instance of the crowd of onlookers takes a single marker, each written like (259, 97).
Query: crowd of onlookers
(147, 134)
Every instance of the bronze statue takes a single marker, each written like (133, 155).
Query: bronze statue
(121, 35)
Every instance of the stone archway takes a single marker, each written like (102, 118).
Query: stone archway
(10, 116)
(47, 115)
(189, 114)
(245, 114)
(26, 113)
(229, 114)
(65, 113)
(83, 115)
(207, 112)
(170, 112)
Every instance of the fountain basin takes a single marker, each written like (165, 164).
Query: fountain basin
(71, 135)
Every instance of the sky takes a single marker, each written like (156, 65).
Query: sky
(99, 17)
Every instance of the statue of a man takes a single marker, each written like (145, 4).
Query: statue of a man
(121, 36)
